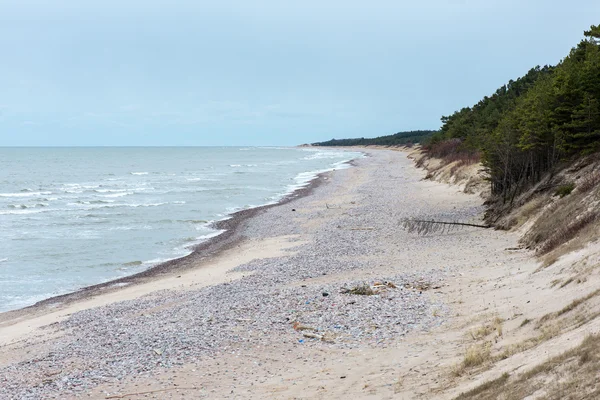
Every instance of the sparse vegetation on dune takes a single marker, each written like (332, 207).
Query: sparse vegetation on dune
(571, 375)
(540, 153)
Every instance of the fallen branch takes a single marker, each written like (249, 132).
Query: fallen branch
(312, 336)
(120, 396)
(423, 227)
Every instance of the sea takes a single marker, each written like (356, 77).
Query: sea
(74, 217)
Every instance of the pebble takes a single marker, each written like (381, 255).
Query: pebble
(169, 328)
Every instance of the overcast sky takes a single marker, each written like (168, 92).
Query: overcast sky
(262, 72)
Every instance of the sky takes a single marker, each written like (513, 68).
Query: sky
(262, 72)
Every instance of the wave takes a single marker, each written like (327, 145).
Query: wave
(133, 263)
(94, 202)
(110, 190)
(26, 206)
(202, 179)
(194, 221)
(130, 228)
(24, 194)
(319, 155)
(177, 228)
(20, 212)
(122, 194)
(117, 205)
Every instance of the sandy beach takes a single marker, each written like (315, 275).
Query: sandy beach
(270, 313)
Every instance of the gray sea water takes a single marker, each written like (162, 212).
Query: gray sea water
(73, 217)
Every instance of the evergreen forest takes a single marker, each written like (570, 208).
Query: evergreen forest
(531, 125)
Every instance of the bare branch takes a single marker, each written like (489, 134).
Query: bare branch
(424, 227)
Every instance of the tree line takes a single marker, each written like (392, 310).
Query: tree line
(397, 139)
(530, 125)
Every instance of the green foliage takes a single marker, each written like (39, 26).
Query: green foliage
(529, 125)
(593, 33)
(565, 189)
(400, 138)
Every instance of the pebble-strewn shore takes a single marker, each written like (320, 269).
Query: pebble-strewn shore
(348, 234)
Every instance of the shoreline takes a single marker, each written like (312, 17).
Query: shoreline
(228, 328)
(272, 316)
(231, 235)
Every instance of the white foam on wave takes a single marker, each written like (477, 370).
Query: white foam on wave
(211, 235)
(20, 212)
(120, 194)
(155, 261)
(202, 179)
(110, 190)
(24, 194)
(303, 179)
(89, 207)
(188, 247)
(139, 173)
(130, 228)
(319, 155)
(16, 302)
(25, 206)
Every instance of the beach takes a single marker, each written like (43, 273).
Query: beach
(268, 310)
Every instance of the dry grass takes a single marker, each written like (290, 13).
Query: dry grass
(588, 182)
(476, 355)
(562, 221)
(498, 326)
(586, 235)
(571, 375)
(569, 307)
(486, 329)
(565, 283)
(486, 387)
(546, 333)
(549, 330)
(567, 232)
(527, 211)
(480, 332)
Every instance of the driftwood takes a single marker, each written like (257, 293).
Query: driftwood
(423, 227)
(312, 336)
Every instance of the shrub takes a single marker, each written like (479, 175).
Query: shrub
(565, 189)
(452, 150)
